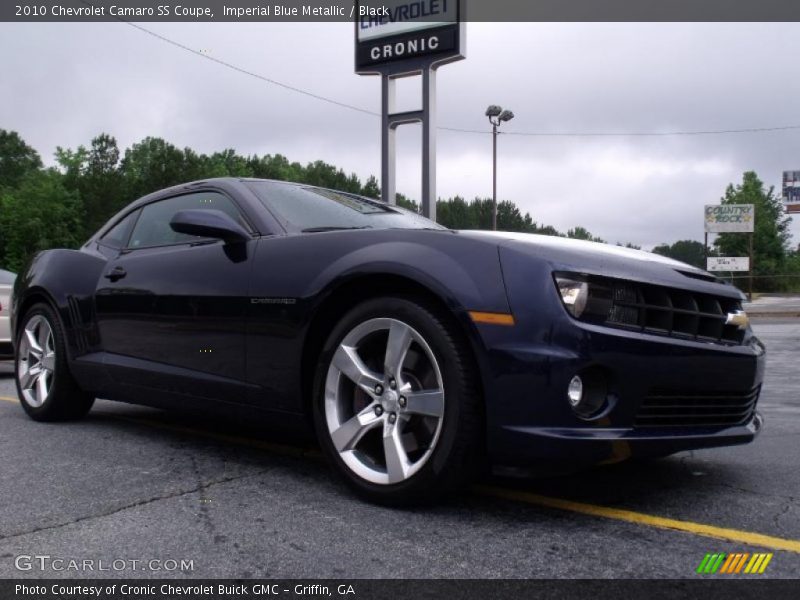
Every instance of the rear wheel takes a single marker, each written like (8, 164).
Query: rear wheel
(45, 386)
(397, 404)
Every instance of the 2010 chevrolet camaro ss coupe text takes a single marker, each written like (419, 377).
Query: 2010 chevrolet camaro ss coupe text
(416, 351)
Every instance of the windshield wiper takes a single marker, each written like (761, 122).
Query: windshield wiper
(332, 228)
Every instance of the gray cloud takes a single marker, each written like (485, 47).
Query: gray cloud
(64, 83)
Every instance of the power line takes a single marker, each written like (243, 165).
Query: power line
(251, 73)
(628, 133)
(456, 129)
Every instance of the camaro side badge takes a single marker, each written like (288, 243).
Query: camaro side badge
(738, 318)
(273, 300)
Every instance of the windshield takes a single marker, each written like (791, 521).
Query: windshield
(6, 278)
(310, 209)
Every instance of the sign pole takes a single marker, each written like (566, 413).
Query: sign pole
(750, 294)
(406, 45)
(388, 190)
(429, 143)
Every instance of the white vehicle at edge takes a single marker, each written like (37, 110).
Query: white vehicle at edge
(6, 285)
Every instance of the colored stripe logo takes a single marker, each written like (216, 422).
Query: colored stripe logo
(734, 564)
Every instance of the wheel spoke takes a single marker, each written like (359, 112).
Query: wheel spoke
(41, 386)
(397, 347)
(348, 362)
(33, 343)
(347, 436)
(426, 402)
(28, 378)
(49, 360)
(44, 336)
(397, 464)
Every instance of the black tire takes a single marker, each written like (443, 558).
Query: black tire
(65, 400)
(458, 455)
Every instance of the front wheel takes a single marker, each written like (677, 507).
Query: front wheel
(45, 386)
(397, 403)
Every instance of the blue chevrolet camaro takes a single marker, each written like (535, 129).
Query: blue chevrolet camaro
(417, 352)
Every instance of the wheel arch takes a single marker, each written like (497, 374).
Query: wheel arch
(33, 296)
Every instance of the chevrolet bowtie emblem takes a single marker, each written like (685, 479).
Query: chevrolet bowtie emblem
(738, 318)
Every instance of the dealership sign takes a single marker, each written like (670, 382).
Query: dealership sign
(791, 191)
(722, 218)
(394, 33)
(728, 263)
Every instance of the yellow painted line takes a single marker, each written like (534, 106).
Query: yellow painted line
(629, 516)
(701, 529)
(491, 318)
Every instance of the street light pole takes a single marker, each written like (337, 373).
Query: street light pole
(496, 116)
(494, 176)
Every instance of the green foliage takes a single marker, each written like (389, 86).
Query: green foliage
(456, 213)
(61, 208)
(17, 159)
(406, 203)
(39, 214)
(371, 188)
(579, 233)
(688, 251)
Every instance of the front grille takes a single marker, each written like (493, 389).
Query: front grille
(670, 408)
(663, 311)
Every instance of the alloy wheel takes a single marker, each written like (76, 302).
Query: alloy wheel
(37, 360)
(384, 401)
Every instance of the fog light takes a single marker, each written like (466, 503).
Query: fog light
(575, 391)
(587, 393)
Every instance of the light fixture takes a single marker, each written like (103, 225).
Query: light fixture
(493, 110)
(575, 391)
(574, 295)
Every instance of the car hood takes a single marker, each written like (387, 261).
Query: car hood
(605, 259)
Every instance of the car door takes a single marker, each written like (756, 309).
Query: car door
(171, 308)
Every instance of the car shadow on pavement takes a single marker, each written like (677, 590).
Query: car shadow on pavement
(630, 483)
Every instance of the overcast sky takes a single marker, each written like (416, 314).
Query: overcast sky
(61, 84)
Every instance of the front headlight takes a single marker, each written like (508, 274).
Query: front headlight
(574, 294)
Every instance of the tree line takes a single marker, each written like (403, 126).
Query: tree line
(62, 206)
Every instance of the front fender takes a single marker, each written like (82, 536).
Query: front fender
(476, 284)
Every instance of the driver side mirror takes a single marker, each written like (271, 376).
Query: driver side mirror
(209, 223)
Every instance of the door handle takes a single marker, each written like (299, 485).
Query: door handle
(116, 273)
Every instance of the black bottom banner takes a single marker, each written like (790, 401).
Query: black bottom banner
(363, 589)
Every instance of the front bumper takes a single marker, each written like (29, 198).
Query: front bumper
(530, 419)
(527, 368)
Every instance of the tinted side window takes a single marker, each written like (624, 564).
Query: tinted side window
(117, 236)
(152, 228)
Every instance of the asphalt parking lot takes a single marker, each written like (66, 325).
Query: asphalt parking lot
(136, 484)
